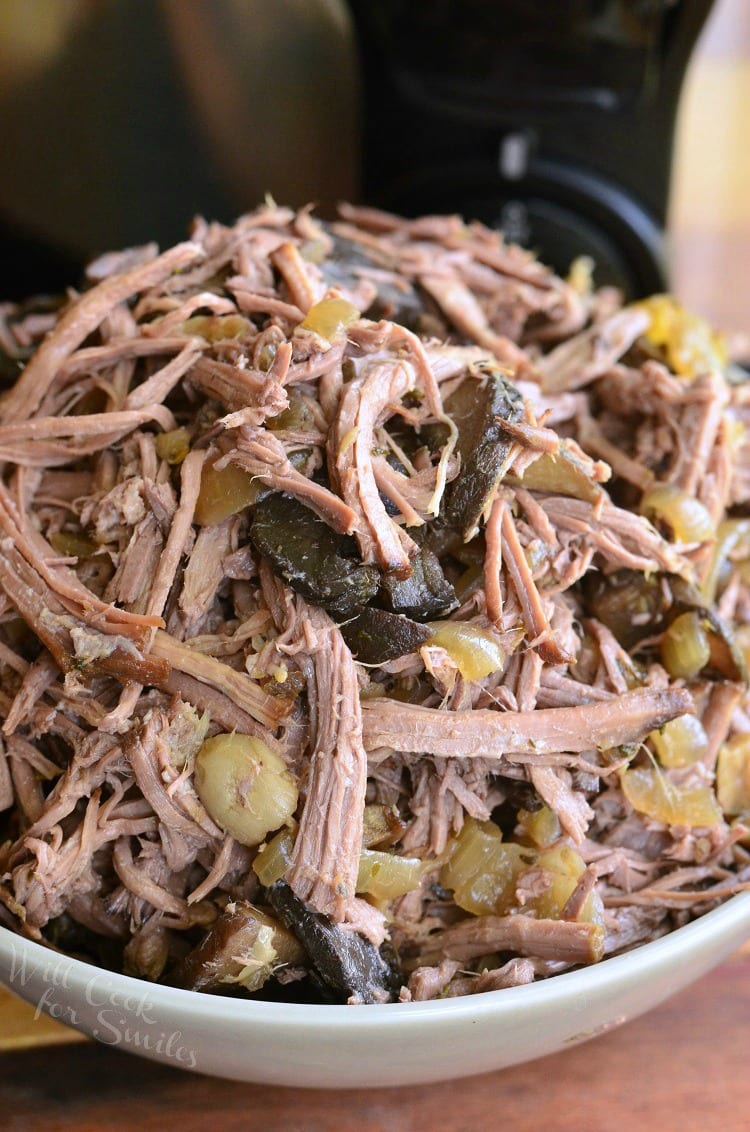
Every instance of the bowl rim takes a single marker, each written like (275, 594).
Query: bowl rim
(728, 918)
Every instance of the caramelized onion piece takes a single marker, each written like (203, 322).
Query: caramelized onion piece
(482, 869)
(275, 857)
(681, 742)
(690, 345)
(650, 792)
(541, 826)
(477, 652)
(386, 876)
(563, 868)
(329, 316)
(687, 517)
(224, 492)
(733, 775)
(173, 446)
(685, 648)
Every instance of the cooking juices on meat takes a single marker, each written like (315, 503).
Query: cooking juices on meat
(373, 613)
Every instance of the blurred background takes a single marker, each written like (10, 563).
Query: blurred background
(122, 119)
(709, 216)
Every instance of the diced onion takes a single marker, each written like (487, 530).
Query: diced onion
(386, 875)
(266, 356)
(561, 475)
(680, 742)
(173, 446)
(650, 792)
(224, 492)
(690, 345)
(542, 826)
(482, 869)
(329, 316)
(315, 251)
(685, 647)
(475, 651)
(733, 775)
(686, 515)
(245, 787)
(258, 961)
(273, 860)
(73, 545)
(297, 415)
(731, 535)
(381, 825)
(217, 328)
(564, 868)
(581, 274)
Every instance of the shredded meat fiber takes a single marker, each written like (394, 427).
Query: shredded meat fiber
(509, 741)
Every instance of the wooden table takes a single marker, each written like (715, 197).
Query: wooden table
(684, 1066)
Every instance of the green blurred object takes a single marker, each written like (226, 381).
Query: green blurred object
(123, 119)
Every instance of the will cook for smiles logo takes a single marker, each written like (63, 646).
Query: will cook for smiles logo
(113, 1017)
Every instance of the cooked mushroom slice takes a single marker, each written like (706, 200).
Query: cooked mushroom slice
(425, 595)
(632, 605)
(348, 965)
(375, 636)
(311, 557)
(476, 407)
(245, 946)
(399, 301)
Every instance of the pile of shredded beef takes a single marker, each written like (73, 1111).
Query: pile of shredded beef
(386, 495)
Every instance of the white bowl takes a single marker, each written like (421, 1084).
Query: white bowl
(347, 1046)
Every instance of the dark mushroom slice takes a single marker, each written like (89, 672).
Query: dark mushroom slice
(561, 474)
(376, 636)
(520, 794)
(392, 459)
(398, 301)
(241, 937)
(726, 657)
(635, 606)
(311, 557)
(348, 965)
(425, 595)
(632, 605)
(476, 407)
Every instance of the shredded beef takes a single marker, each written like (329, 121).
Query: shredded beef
(394, 504)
